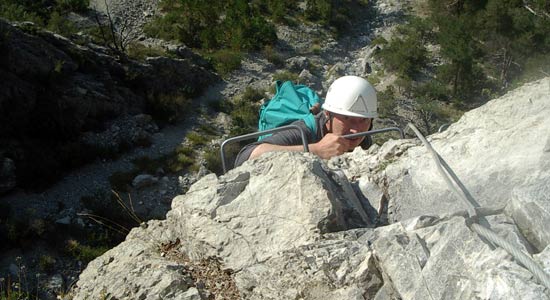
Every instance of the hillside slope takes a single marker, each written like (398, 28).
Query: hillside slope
(289, 225)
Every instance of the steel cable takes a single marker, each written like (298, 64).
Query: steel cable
(472, 205)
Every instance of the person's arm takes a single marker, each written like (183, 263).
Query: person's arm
(330, 145)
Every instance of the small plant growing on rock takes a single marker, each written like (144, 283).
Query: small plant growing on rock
(167, 107)
(46, 263)
(197, 139)
(284, 76)
(84, 253)
(225, 61)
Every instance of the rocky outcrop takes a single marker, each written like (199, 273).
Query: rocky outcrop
(53, 90)
(291, 226)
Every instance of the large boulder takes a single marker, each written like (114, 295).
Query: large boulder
(291, 226)
(499, 152)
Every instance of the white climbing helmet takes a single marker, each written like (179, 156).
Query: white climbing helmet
(352, 96)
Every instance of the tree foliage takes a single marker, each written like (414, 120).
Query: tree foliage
(488, 39)
(406, 54)
(237, 25)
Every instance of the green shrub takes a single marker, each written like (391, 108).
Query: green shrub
(197, 139)
(225, 61)
(17, 12)
(213, 25)
(46, 263)
(285, 75)
(84, 253)
(141, 52)
(251, 94)
(180, 159)
(315, 49)
(386, 102)
(60, 24)
(213, 160)
(434, 90)
(167, 107)
(207, 129)
(379, 40)
(245, 117)
(273, 57)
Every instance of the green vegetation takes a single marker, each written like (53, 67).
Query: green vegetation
(245, 117)
(406, 54)
(167, 107)
(18, 288)
(140, 52)
(46, 263)
(213, 160)
(84, 253)
(50, 14)
(225, 60)
(197, 139)
(285, 76)
(223, 30)
(199, 24)
(386, 102)
(486, 48)
(273, 57)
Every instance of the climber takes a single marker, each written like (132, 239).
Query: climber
(349, 107)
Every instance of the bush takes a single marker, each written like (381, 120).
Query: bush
(46, 263)
(252, 95)
(207, 129)
(197, 139)
(245, 117)
(181, 158)
(386, 102)
(141, 52)
(167, 107)
(61, 25)
(84, 253)
(432, 90)
(273, 57)
(13, 11)
(213, 160)
(213, 25)
(225, 61)
(285, 75)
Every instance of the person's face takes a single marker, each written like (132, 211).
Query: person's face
(342, 125)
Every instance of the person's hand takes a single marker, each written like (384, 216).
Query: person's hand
(330, 145)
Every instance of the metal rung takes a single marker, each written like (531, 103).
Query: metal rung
(302, 133)
(260, 133)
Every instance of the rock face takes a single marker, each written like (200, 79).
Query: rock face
(53, 90)
(291, 226)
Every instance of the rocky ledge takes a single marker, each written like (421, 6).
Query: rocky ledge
(291, 226)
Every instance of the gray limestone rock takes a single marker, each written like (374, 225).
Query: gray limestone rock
(530, 208)
(284, 225)
(492, 149)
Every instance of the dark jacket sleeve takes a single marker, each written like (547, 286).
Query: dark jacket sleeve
(284, 138)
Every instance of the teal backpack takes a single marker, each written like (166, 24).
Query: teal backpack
(290, 103)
